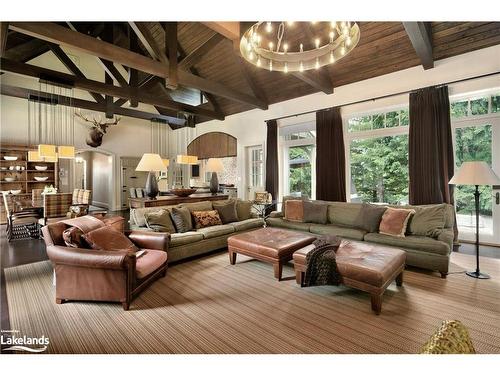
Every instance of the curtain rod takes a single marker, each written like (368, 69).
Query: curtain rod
(388, 95)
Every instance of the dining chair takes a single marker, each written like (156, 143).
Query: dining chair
(20, 224)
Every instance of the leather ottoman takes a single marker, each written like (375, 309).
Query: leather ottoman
(368, 267)
(271, 245)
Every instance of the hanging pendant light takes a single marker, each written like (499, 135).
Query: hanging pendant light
(47, 151)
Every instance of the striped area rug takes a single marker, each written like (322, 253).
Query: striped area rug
(208, 306)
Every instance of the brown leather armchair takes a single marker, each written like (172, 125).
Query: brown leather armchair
(97, 275)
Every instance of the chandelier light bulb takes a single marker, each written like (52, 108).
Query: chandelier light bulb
(250, 55)
(259, 38)
(301, 47)
(285, 47)
(342, 51)
(317, 63)
(316, 42)
(332, 58)
(269, 27)
(332, 34)
(290, 23)
(348, 41)
(270, 65)
(258, 61)
(301, 67)
(286, 68)
(333, 24)
(271, 45)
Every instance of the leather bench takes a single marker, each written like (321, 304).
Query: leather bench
(368, 267)
(271, 245)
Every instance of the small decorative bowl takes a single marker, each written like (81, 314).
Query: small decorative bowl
(9, 179)
(10, 158)
(182, 192)
(41, 178)
(41, 167)
(3, 168)
(15, 192)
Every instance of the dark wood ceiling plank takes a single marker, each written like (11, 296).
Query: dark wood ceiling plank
(194, 57)
(106, 89)
(171, 48)
(144, 35)
(71, 66)
(19, 92)
(420, 34)
(27, 51)
(4, 31)
(315, 80)
(60, 35)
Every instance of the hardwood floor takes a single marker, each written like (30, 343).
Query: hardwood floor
(20, 252)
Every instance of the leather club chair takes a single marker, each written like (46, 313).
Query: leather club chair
(98, 275)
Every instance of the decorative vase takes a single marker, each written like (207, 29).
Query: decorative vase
(151, 186)
(214, 183)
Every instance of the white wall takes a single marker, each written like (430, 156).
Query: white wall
(133, 137)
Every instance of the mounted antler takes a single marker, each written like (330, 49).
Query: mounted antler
(97, 128)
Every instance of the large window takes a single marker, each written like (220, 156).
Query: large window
(378, 157)
(469, 107)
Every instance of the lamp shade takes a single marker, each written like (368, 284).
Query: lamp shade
(214, 165)
(166, 162)
(33, 155)
(66, 152)
(47, 151)
(186, 159)
(151, 163)
(475, 173)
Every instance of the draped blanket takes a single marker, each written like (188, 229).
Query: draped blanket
(321, 262)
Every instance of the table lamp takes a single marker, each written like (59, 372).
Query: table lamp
(214, 165)
(151, 163)
(475, 173)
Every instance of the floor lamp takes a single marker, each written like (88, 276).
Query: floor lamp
(475, 173)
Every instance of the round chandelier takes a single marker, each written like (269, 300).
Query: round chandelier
(281, 46)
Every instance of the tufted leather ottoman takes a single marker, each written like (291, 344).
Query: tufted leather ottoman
(272, 245)
(368, 267)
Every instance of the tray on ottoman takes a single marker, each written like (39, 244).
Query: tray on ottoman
(271, 245)
(368, 267)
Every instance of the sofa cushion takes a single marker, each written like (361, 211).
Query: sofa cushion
(216, 231)
(160, 221)
(247, 224)
(281, 223)
(394, 221)
(291, 197)
(428, 221)
(370, 217)
(109, 239)
(420, 243)
(294, 210)
(137, 214)
(337, 230)
(345, 214)
(178, 239)
(227, 210)
(203, 219)
(182, 219)
(315, 212)
(198, 206)
(244, 209)
(149, 262)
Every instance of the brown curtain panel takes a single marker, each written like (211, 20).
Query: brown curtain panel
(272, 173)
(431, 159)
(330, 156)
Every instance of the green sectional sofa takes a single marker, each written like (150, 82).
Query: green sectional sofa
(195, 242)
(431, 251)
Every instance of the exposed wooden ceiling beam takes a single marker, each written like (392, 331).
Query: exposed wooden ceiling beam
(249, 77)
(231, 30)
(133, 74)
(106, 89)
(148, 41)
(71, 66)
(111, 69)
(420, 34)
(4, 31)
(315, 80)
(171, 48)
(19, 92)
(27, 51)
(194, 57)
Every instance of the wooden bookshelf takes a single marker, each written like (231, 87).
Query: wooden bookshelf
(23, 172)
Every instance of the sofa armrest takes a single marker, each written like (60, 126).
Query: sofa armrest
(276, 214)
(149, 240)
(447, 236)
(114, 260)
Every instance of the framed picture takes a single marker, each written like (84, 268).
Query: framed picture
(261, 196)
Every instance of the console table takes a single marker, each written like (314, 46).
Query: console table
(170, 200)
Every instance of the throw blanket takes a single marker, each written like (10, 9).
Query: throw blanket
(85, 223)
(321, 262)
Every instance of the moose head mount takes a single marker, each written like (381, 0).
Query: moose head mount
(97, 128)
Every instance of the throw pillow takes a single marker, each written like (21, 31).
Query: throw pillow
(291, 197)
(198, 206)
(294, 210)
(203, 219)
(370, 216)
(73, 238)
(160, 221)
(227, 210)
(315, 212)
(244, 209)
(109, 239)
(394, 221)
(181, 216)
(428, 221)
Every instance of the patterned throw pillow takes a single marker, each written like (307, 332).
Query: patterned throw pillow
(73, 237)
(394, 221)
(203, 219)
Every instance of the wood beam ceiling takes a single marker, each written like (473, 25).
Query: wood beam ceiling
(420, 34)
(171, 48)
(4, 31)
(230, 30)
(106, 89)
(19, 92)
(194, 57)
(27, 51)
(54, 33)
